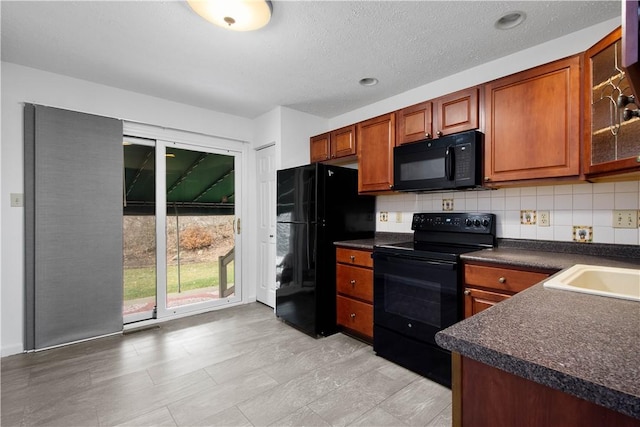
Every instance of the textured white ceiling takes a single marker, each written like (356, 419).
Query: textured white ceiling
(309, 57)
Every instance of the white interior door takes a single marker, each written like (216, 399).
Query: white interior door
(266, 176)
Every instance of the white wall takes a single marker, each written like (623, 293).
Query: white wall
(20, 85)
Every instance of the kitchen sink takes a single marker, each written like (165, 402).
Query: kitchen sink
(611, 282)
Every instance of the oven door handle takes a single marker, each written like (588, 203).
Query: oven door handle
(449, 160)
(407, 259)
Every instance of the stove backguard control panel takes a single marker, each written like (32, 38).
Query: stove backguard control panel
(477, 223)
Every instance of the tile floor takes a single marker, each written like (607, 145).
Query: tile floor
(239, 366)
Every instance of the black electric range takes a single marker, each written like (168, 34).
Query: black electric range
(418, 288)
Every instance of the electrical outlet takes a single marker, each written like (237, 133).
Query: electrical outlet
(625, 219)
(384, 216)
(398, 216)
(447, 204)
(17, 200)
(544, 219)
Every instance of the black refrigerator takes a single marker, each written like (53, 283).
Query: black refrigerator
(317, 204)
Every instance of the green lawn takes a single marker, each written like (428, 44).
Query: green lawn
(141, 282)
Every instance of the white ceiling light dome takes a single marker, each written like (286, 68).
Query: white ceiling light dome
(235, 15)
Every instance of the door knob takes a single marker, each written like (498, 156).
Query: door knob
(467, 292)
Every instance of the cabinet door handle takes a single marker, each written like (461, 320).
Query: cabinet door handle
(439, 133)
(352, 315)
(353, 282)
(427, 135)
(467, 292)
(352, 258)
(502, 279)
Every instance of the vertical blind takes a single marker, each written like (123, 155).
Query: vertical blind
(73, 226)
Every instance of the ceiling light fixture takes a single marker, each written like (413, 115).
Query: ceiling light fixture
(235, 15)
(510, 20)
(369, 81)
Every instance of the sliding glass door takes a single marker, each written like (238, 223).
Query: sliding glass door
(139, 230)
(200, 225)
(180, 228)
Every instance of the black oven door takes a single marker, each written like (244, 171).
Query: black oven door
(415, 297)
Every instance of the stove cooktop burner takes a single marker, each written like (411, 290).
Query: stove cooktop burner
(445, 236)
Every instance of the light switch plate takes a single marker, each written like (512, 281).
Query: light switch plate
(398, 216)
(625, 219)
(17, 200)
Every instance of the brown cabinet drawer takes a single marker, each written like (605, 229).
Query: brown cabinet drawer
(355, 315)
(476, 300)
(354, 257)
(356, 282)
(504, 279)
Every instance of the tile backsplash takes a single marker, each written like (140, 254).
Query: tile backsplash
(582, 211)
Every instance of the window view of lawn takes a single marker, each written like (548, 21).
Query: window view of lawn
(141, 282)
(191, 267)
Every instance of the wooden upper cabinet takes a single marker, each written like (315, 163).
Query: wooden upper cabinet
(376, 139)
(337, 144)
(319, 147)
(456, 112)
(343, 142)
(414, 123)
(611, 143)
(533, 123)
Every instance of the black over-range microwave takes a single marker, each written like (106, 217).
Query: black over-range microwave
(450, 162)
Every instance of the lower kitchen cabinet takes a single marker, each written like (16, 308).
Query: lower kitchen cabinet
(487, 285)
(487, 396)
(354, 287)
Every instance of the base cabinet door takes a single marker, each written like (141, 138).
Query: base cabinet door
(354, 292)
(355, 315)
(476, 300)
(486, 396)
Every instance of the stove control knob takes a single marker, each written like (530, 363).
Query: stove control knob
(476, 222)
(468, 222)
(485, 222)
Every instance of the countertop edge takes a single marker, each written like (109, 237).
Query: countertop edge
(604, 396)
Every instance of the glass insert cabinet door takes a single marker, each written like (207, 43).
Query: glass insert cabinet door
(613, 140)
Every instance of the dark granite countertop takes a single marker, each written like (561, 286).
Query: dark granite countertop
(381, 238)
(584, 345)
(554, 256)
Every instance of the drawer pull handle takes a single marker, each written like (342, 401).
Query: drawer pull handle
(353, 282)
(502, 279)
(467, 292)
(353, 258)
(353, 315)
